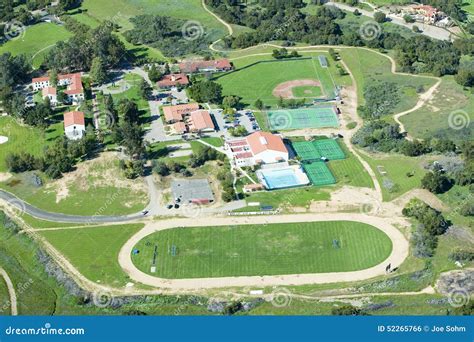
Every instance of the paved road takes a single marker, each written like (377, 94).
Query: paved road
(56, 217)
(428, 30)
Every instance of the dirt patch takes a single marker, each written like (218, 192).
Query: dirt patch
(4, 176)
(285, 89)
(96, 173)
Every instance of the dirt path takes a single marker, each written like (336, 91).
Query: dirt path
(397, 256)
(11, 292)
(227, 25)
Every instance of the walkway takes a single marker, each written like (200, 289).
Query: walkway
(11, 292)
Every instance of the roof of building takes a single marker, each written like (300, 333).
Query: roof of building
(180, 127)
(196, 65)
(200, 120)
(175, 113)
(49, 91)
(75, 87)
(74, 118)
(172, 80)
(263, 141)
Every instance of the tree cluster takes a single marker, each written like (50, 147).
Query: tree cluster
(431, 225)
(174, 37)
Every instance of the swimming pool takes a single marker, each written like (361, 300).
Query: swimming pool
(279, 178)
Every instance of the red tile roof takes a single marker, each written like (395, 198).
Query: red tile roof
(262, 141)
(76, 84)
(180, 127)
(74, 118)
(200, 120)
(194, 66)
(173, 80)
(49, 91)
(176, 113)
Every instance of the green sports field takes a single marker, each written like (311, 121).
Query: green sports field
(319, 174)
(257, 77)
(263, 249)
(312, 117)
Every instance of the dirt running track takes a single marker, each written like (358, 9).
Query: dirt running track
(398, 255)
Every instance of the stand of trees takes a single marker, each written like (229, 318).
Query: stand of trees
(431, 225)
(59, 158)
(167, 35)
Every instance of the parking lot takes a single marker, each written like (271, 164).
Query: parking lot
(243, 118)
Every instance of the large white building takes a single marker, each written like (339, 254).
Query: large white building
(74, 125)
(257, 148)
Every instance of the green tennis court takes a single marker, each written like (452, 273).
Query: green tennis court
(319, 174)
(329, 148)
(313, 117)
(306, 150)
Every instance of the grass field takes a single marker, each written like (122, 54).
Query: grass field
(263, 249)
(397, 168)
(35, 41)
(271, 73)
(94, 250)
(367, 66)
(349, 171)
(434, 118)
(307, 92)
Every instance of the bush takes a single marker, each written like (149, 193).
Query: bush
(436, 182)
(380, 17)
(461, 255)
(347, 310)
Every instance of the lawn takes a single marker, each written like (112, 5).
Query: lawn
(36, 41)
(22, 138)
(402, 173)
(271, 72)
(349, 171)
(263, 249)
(369, 66)
(94, 250)
(434, 118)
(280, 199)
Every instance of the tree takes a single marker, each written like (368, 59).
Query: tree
(53, 78)
(346, 310)
(231, 102)
(154, 74)
(436, 182)
(206, 91)
(408, 18)
(380, 17)
(144, 89)
(132, 139)
(128, 110)
(258, 104)
(98, 71)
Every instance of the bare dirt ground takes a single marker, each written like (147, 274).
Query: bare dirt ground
(11, 292)
(285, 89)
(4, 176)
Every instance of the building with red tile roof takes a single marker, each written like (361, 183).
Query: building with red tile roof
(197, 66)
(201, 121)
(258, 148)
(73, 82)
(173, 80)
(74, 125)
(177, 113)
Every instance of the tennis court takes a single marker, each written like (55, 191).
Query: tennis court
(306, 150)
(312, 117)
(319, 174)
(329, 148)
